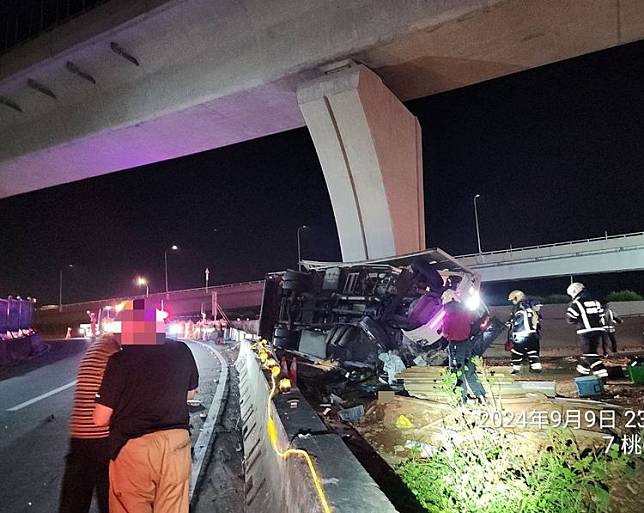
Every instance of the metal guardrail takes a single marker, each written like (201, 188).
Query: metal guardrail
(552, 245)
(157, 294)
(15, 314)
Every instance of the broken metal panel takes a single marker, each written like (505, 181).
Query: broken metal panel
(71, 67)
(37, 86)
(122, 53)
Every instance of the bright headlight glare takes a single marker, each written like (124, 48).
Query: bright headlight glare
(473, 301)
(112, 327)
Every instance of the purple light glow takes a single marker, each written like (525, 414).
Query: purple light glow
(437, 319)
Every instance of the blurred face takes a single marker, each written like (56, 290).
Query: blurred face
(141, 324)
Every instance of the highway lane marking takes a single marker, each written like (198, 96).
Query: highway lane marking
(41, 397)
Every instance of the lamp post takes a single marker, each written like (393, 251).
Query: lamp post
(476, 218)
(60, 288)
(207, 273)
(299, 246)
(141, 281)
(173, 248)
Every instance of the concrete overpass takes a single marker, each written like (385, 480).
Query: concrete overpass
(615, 253)
(234, 298)
(133, 82)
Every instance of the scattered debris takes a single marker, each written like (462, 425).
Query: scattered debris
(420, 361)
(393, 365)
(336, 400)
(403, 422)
(424, 450)
(352, 414)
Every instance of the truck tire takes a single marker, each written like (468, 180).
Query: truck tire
(374, 331)
(283, 338)
(296, 281)
(339, 338)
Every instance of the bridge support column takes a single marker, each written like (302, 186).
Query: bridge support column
(369, 146)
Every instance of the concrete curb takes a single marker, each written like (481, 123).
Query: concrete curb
(206, 437)
(285, 485)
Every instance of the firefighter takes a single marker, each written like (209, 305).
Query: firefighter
(611, 320)
(525, 327)
(588, 314)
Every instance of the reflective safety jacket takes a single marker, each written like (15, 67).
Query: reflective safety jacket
(525, 321)
(587, 313)
(611, 320)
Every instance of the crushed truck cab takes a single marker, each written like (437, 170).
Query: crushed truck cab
(346, 315)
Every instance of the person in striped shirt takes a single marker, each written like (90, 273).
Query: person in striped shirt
(87, 463)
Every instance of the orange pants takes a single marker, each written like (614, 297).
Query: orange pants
(151, 474)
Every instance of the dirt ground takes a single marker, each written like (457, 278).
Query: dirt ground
(381, 442)
(618, 389)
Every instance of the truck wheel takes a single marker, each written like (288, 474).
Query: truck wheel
(374, 331)
(294, 280)
(284, 338)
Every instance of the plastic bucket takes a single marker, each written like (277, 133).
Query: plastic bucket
(589, 386)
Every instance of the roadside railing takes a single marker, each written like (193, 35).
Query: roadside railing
(512, 250)
(171, 293)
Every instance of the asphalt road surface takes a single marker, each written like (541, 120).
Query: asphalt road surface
(35, 405)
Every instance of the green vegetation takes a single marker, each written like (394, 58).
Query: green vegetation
(488, 475)
(624, 295)
(487, 470)
(556, 299)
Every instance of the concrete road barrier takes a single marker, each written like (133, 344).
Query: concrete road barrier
(274, 483)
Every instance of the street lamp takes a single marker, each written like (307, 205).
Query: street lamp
(299, 246)
(141, 281)
(60, 288)
(173, 248)
(476, 218)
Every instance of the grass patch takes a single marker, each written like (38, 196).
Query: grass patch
(488, 470)
(490, 476)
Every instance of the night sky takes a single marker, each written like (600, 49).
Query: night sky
(555, 153)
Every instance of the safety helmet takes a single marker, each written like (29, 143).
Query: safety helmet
(516, 296)
(574, 289)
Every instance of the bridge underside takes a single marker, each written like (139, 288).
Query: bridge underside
(216, 73)
(201, 74)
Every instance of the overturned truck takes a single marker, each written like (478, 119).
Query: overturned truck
(350, 316)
